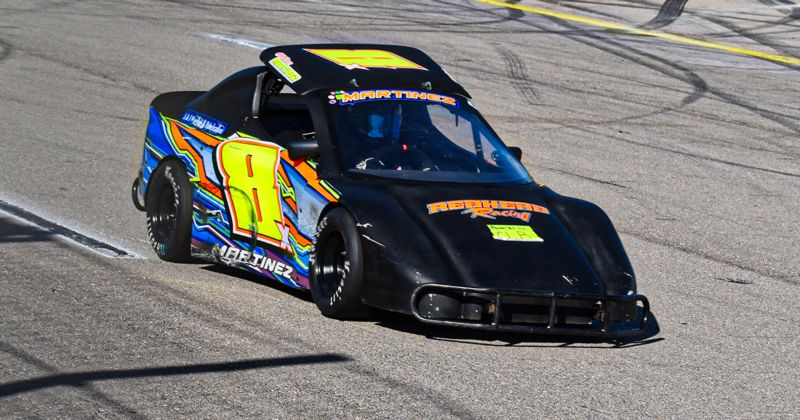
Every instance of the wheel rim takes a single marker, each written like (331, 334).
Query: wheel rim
(334, 265)
(165, 215)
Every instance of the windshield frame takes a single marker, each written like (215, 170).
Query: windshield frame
(464, 104)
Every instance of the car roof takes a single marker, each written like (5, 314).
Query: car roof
(312, 67)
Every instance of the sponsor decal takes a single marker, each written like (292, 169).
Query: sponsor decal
(204, 122)
(489, 209)
(283, 65)
(351, 97)
(517, 233)
(365, 59)
(231, 255)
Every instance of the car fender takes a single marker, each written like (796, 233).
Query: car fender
(594, 232)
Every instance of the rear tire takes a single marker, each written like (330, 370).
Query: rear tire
(169, 212)
(337, 267)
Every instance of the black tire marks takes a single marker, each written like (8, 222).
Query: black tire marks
(515, 14)
(788, 279)
(673, 70)
(761, 38)
(793, 9)
(670, 11)
(5, 49)
(651, 61)
(92, 72)
(678, 72)
(518, 74)
(587, 178)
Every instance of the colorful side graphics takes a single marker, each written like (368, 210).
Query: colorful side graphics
(516, 233)
(245, 198)
(365, 59)
(352, 97)
(489, 209)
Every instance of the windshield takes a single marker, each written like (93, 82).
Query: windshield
(421, 137)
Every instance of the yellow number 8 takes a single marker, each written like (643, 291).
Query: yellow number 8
(248, 169)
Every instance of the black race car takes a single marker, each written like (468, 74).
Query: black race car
(364, 173)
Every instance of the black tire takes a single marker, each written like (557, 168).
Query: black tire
(169, 212)
(337, 267)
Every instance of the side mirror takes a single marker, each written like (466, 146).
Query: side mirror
(302, 148)
(516, 151)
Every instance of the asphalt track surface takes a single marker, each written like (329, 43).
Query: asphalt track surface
(692, 151)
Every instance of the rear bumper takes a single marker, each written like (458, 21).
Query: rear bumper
(531, 312)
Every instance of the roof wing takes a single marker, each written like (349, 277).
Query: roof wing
(312, 67)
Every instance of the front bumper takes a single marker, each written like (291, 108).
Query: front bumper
(531, 312)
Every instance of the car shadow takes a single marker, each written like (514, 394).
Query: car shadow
(409, 325)
(80, 379)
(239, 273)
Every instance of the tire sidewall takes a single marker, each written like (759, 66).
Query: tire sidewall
(172, 173)
(346, 299)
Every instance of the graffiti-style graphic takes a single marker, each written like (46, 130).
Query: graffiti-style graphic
(245, 197)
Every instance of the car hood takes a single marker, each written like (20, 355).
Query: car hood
(502, 237)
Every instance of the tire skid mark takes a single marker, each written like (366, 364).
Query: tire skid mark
(669, 12)
(71, 109)
(58, 4)
(588, 178)
(591, 11)
(762, 39)
(708, 158)
(95, 73)
(788, 279)
(792, 9)
(700, 87)
(630, 30)
(518, 74)
(685, 154)
(514, 14)
(784, 120)
(667, 68)
(688, 76)
(5, 49)
(376, 21)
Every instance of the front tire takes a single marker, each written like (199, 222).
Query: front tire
(337, 270)
(169, 212)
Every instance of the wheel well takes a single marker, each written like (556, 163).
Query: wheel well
(162, 162)
(329, 207)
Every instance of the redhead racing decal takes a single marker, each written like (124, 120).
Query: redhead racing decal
(489, 209)
(365, 59)
(517, 233)
(351, 97)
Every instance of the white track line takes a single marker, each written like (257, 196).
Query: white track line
(235, 40)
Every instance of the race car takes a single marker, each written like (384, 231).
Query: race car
(365, 174)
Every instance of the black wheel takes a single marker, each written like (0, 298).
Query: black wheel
(169, 212)
(337, 270)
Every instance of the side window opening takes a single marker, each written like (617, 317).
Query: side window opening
(284, 115)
